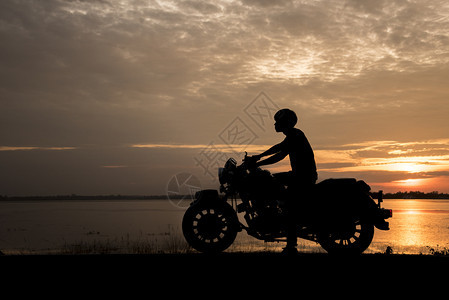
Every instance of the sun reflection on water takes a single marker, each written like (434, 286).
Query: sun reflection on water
(411, 233)
(416, 226)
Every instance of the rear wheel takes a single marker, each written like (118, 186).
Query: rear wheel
(210, 229)
(352, 240)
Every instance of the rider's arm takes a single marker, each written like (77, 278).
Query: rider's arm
(273, 159)
(275, 149)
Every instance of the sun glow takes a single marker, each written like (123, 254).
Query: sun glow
(410, 182)
(411, 212)
(413, 167)
(410, 164)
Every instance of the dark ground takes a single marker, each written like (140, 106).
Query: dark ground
(196, 263)
(227, 275)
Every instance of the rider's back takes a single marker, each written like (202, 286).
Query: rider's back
(302, 159)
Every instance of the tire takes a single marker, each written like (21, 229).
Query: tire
(352, 241)
(210, 229)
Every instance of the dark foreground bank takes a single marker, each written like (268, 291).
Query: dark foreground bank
(227, 275)
(198, 262)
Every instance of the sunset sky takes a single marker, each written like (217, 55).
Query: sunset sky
(120, 97)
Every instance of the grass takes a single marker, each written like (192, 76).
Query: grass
(427, 250)
(169, 242)
(438, 251)
(172, 242)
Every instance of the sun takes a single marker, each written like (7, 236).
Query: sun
(409, 167)
(410, 182)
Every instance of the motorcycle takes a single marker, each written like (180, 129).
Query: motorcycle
(340, 214)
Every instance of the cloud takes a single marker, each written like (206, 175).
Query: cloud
(388, 164)
(11, 148)
(228, 148)
(114, 73)
(159, 56)
(114, 167)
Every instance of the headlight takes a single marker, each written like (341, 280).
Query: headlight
(221, 175)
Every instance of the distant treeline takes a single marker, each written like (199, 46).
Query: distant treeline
(397, 195)
(416, 195)
(94, 197)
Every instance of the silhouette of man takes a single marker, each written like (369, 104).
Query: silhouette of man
(303, 175)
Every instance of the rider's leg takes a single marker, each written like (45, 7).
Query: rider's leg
(291, 206)
(299, 193)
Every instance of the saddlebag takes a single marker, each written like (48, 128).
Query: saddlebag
(344, 195)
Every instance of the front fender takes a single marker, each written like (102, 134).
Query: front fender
(208, 198)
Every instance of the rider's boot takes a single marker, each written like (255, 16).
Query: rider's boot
(289, 250)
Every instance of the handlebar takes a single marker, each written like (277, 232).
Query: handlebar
(249, 162)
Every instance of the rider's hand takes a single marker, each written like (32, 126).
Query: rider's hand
(254, 158)
(251, 161)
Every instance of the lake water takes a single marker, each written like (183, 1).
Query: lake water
(155, 225)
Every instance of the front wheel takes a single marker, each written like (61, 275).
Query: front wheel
(210, 229)
(353, 240)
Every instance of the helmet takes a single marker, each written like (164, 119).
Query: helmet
(286, 117)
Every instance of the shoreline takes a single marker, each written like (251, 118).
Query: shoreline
(396, 196)
(239, 254)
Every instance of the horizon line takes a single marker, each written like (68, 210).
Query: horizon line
(180, 195)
